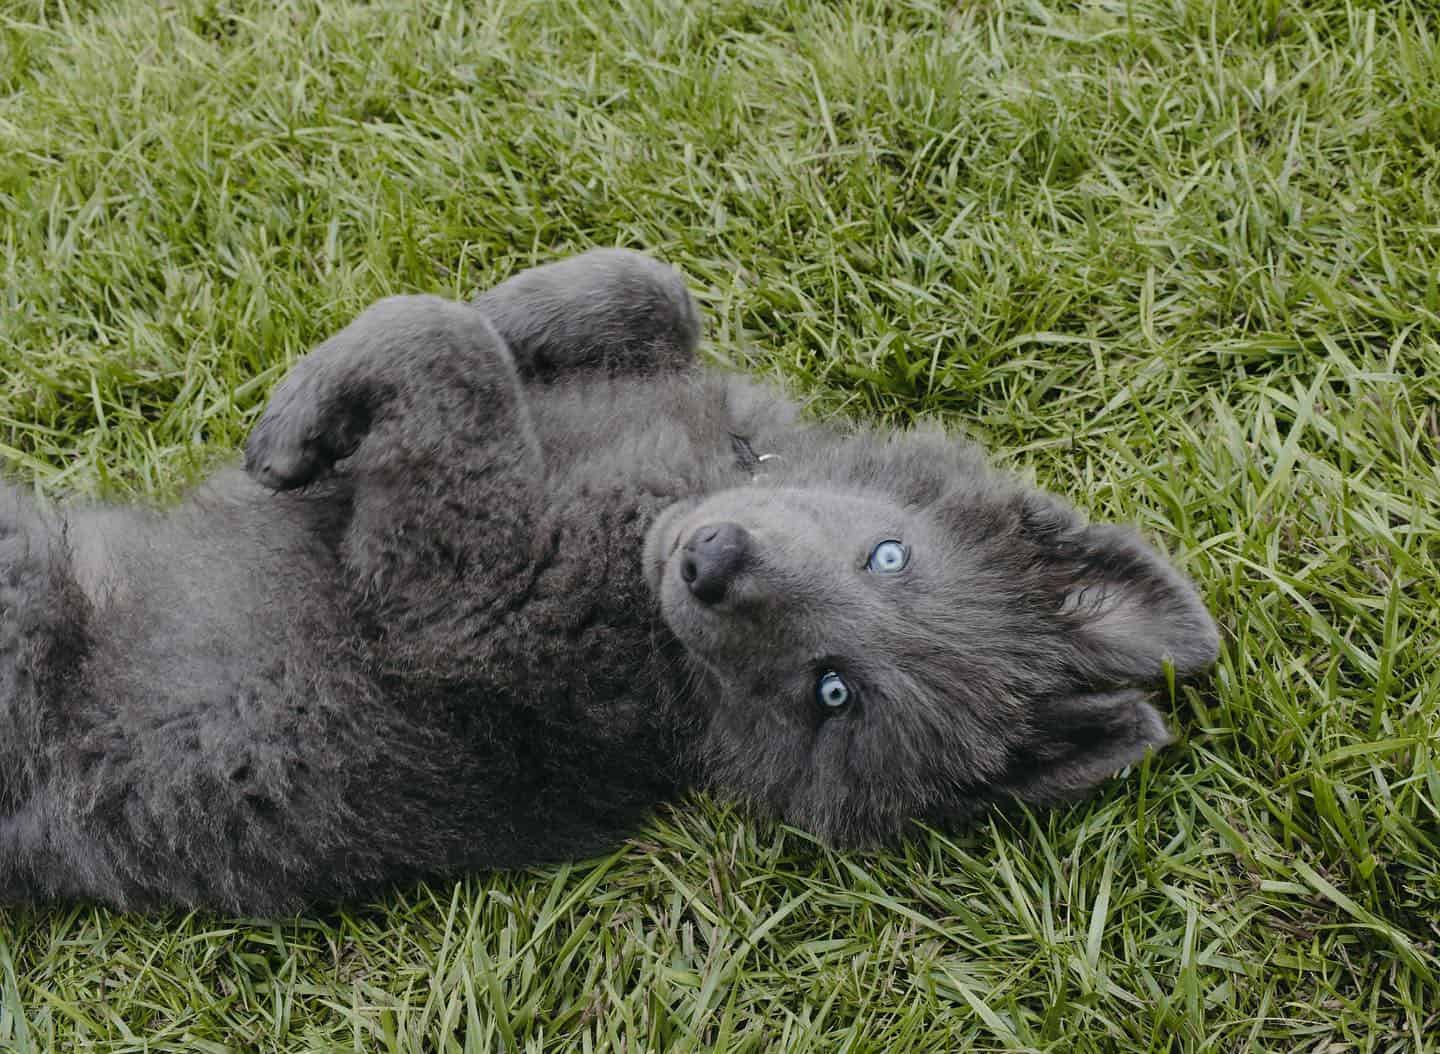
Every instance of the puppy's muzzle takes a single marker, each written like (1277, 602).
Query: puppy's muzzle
(712, 558)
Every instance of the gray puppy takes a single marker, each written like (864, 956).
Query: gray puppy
(501, 577)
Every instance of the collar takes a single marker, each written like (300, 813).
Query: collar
(745, 456)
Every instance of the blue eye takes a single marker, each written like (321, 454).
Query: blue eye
(888, 557)
(832, 691)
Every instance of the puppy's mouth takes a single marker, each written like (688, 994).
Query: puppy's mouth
(663, 540)
(704, 624)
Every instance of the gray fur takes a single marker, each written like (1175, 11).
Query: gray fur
(444, 622)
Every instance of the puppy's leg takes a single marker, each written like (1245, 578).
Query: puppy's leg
(610, 310)
(42, 641)
(431, 375)
(420, 401)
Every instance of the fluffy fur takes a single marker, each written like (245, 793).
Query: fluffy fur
(497, 578)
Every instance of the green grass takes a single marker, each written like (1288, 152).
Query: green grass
(1176, 260)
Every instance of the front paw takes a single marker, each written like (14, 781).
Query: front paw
(308, 426)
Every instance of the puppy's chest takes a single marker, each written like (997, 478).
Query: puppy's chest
(671, 437)
(586, 630)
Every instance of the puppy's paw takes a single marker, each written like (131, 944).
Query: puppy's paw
(309, 425)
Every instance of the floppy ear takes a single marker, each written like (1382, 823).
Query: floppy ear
(1078, 741)
(1124, 609)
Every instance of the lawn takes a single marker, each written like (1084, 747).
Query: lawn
(1175, 260)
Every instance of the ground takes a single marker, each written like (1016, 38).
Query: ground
(1177, 261)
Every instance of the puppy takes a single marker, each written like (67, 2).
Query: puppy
(497, 578)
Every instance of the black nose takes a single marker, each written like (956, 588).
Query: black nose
(711, 559)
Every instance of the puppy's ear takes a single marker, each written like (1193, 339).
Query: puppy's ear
(1077, 741)
(1124, 609)
(1121, 612)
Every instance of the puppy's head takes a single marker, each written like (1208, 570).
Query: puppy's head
(893, 632)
